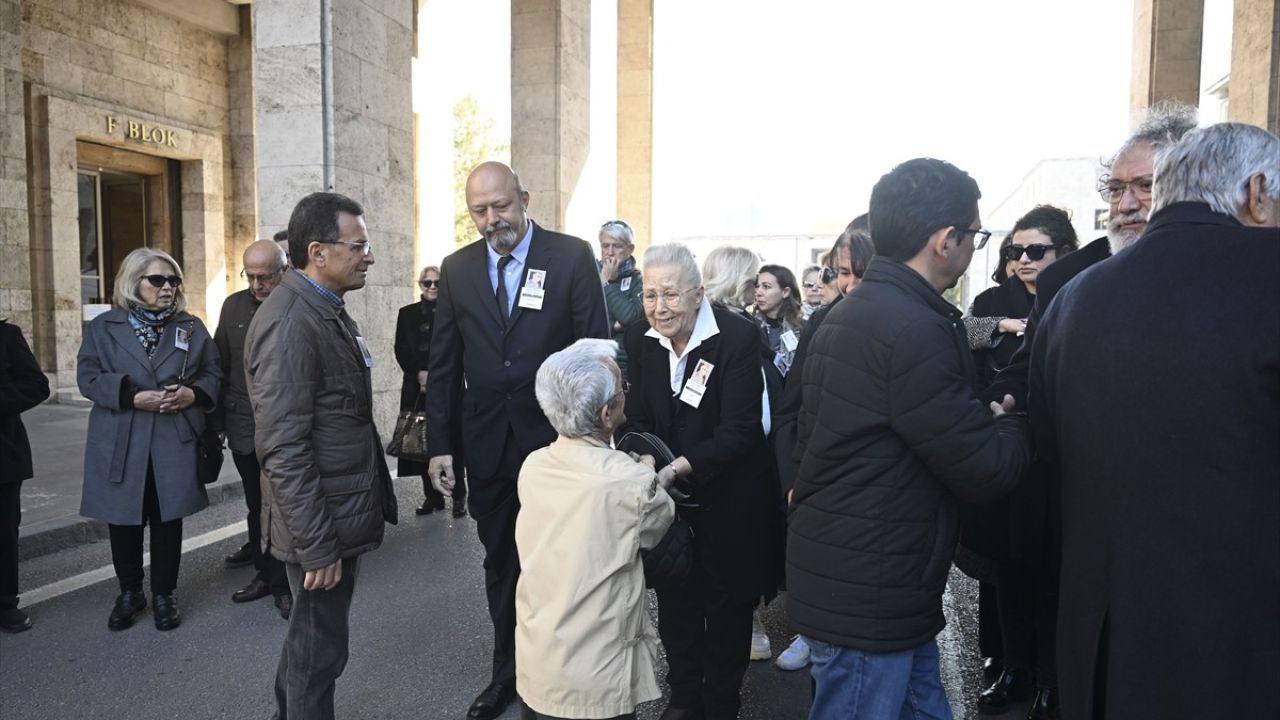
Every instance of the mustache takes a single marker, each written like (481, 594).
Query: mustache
(1118, 221)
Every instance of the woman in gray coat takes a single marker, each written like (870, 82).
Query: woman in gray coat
(152, 373)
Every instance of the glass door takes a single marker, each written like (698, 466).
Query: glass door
(113, 222)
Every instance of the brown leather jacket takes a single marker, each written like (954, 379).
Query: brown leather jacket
(327, 492)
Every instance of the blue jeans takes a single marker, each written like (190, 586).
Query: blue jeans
(855, 685)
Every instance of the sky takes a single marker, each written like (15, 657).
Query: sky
(779, 117)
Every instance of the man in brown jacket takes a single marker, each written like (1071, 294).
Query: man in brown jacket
(327, 492)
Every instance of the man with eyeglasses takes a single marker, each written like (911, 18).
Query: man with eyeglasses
(897, 436)
(493, 329)
(264, 265)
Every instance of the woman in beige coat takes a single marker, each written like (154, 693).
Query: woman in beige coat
(584, 645)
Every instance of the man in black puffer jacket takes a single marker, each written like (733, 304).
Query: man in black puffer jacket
(891, 434)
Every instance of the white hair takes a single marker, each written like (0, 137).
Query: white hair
(1213, 165)
(573, 384)
(677, 255)
(1164, 124)
(619, 230)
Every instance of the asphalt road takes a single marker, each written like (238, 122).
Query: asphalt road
(420, 637)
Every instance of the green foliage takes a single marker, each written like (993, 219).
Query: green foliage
(472, 144)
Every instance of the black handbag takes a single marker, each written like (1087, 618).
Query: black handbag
(409, 440)
(670, 562)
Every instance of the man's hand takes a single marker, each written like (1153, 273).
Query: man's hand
(1012, 325)
(326, 578)
(440, 470)
(609, 269)
(176, 398)
(1006, 405)
(422, 380)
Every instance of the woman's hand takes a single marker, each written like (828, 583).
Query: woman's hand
(148, 400)
(670, 473)
(1012, 325)
(176, 398)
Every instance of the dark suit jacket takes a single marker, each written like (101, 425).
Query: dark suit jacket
(22, 387)
(234, 415)
(1155, 386)
(737, 529)
(469, 343)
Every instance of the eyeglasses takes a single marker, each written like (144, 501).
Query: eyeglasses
(980, 237)
(623, 223)
(811, 285)
(429, 283)
(159, 281)
(1035, 251)
(669, 298)
(363, 246)
(254, 277)
(828, 276)
(623, 390)
(1112, 190)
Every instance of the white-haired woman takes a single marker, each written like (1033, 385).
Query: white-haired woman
(729, 276)
(152, 372)
(584, 645)
(696, 383)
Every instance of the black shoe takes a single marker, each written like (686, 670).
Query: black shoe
(1045, 706)
(255, 590)
(284, 603)
(426, 508)
(241, 557)
(1012, 686)
(459, 508)
(13, 620)
(127, 607)
(165, 610)
(437, 502)
(991, 669)
(675, 713)
(490, 703)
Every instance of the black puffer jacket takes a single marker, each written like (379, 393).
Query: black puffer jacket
(890, 430)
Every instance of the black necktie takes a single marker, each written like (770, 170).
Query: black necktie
(504, 305)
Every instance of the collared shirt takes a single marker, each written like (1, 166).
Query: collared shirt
(511, 273)
(704, 327)
(325, 293)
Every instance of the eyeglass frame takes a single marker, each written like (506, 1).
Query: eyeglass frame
(1041, 249)
(980, 236)
(623, 223)
(1112, 194)
(264, 278)
(433, 283)
(172, 281)
(647, 302)
(366, 252)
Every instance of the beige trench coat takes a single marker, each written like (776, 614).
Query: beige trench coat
(584, 645)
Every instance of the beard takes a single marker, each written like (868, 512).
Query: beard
(1117, 236)
(501, 237)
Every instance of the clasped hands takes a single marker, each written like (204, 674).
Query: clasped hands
(167, 401)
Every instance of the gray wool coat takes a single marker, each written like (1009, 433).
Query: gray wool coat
(123, 441)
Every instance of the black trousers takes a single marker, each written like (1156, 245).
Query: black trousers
(1028, 609)
(270, 570)
(166, 546)
(10, 519)
(990, 644)
(315, 646)
(707, 636)
(494, 506)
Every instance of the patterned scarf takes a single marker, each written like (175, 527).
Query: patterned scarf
(149, 324)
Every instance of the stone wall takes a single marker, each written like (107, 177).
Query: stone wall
(15, 270)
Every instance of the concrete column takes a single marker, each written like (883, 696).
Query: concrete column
(550, 101)
(635, 117)
(15, 237)
(332, 109)
(1166, 53)
(1254, 90)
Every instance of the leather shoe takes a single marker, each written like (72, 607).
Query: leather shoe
(459, 508)
(490, 703)
(284, 603)
(1045, 706)
(1012, 686)
(128, 604)
(991, 669)
(675, 713)
(426, 508)
(13, 620)
(255, 590)
(165, 611)
(241, 557)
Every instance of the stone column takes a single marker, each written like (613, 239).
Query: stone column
(242, 221)
(1166, 53)
(332, 108)
(635, 117)
(15, 237)
(1254, 90)
(550, 101)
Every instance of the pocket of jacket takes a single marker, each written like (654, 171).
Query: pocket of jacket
(338, 485)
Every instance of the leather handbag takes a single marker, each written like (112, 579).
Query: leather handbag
(670, 562)
(209, 456)
(409, 440)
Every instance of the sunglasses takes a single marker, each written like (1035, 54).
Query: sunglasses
(1034, 251)
(622, 223)
(828, 276)
(429, 283)
(158, 281)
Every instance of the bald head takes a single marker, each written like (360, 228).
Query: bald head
(497, 204)
(263, 263)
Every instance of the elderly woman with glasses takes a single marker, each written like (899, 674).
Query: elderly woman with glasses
(152, 372)
(696, 383)
(622, 281)
(584, 645)
(413, 352)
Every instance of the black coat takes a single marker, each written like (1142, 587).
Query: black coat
(1009, 299)
(1155, 386)
(787, 409)
(413, 353)
(233, 414)
(738, 526)
(890, 434)
(22, 387)
(469, 343)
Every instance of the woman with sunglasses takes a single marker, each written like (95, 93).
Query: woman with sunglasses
(413, 351)
(811, 288)
(1012, 532)
(151, 370)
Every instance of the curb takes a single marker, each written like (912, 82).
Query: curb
(65, 534)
